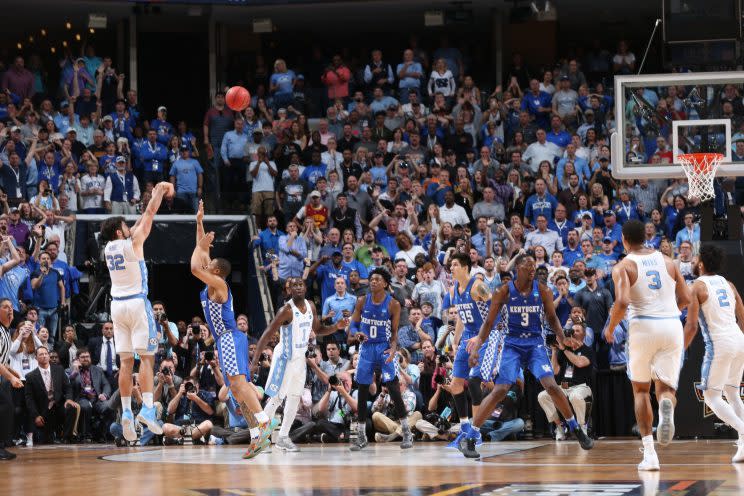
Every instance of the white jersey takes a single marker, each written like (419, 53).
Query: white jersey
(653, 294)
(128, 271)
(718, 313)
(294, 337)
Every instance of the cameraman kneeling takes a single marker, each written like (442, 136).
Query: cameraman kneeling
(572, 366)
(192, 410)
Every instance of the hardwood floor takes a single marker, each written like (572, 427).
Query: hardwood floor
(540, 467)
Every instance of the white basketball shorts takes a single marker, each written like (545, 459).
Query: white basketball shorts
(134, 326)
(655, 350)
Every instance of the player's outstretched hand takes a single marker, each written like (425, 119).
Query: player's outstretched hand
(168, 190)
(206, 242)
(474, 344)
(200, 211)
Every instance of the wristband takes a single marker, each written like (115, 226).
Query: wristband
(354, 327)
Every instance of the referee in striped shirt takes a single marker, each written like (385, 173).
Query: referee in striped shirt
(8, 379)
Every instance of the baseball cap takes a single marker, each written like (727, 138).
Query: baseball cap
(590, 272)
(162, 109)
(607, 239)
(377, 249)
(588, 112)
(300, 77)
(609, 213)
(604, 159)
(587, 216)
(403, 164)
(315, 193)
(121, 160)
(379, 154)
(15, 129)
(80, 59)
(107, 118)
(184, 148)
(72, 130)
(14, 210)
(564, 78)
(336, 252)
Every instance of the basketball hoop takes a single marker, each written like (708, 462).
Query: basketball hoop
(700, 169)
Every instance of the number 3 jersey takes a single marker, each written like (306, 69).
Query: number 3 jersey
(376, 324)
(653, 294)
(522, 314)
(472, 313)
(128, 272)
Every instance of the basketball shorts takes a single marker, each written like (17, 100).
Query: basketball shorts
(655, 349)
(232, 351)
(487, 356)
(372, 357)
(723, 363)
(134, 325)
(286, 375)
(519, 353)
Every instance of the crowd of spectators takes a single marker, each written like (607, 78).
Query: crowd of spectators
(410, 163)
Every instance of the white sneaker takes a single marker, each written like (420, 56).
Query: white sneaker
(665, 429)
(286, 444)
(650, 461)
(739, 456)
(29, 440)
(560, 435)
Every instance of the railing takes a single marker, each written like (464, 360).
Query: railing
(263, 284)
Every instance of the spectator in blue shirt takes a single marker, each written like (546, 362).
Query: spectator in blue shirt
(563, 299)
(540, 203)
(381, 102)
(326, 273)
(154, 157)
(416, 332)
(538, 103)
(572, 251)
(653, 238)
(351, 263)
(48, 292)
(281, 85)
(339, 305)
(614, 231)
(314, 170)
(690, 232)
(292, 253)
(163, 128)
(268, 239)
(187, 176)
(606, 259)
(409, 76)
(625, 208)
(618, 356)
(557, 135)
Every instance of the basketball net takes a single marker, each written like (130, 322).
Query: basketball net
(700, 169)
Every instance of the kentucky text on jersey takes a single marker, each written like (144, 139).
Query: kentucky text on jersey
(375, 321)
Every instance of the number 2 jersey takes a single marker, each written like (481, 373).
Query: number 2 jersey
(376, 324)
(128, 272)
(653, 294)
(718, 313)
(472, 313)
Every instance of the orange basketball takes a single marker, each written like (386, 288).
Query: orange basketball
(238, 98)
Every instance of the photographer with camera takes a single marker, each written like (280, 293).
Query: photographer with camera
(208, 372)
(167, 331)
(334, 412)
(185, 349)
(192, 410)
(388, 430)
(436, 426)
(572, 365)
(167, 382)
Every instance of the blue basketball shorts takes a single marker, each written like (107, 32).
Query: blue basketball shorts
(519, 353)
(372, 357)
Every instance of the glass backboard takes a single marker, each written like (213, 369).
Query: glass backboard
(660, 116)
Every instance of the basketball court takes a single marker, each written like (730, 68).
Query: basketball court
(540, 467)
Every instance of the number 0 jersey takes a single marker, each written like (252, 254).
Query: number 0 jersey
(376, 324)
(128, 272)
(653, 294)
(472, 313)
(523, 314)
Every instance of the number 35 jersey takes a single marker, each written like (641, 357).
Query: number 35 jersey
(472, 313)
(376, 324)
(128, 272)
(524, 314)
(653, 294)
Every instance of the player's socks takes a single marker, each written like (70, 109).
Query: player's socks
(572, 424)
(404, 424)
(126, 403)
(255, 432)
(650, 459)
(261, 417)
(146, 399)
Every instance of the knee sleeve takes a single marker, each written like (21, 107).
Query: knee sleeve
(474, 388)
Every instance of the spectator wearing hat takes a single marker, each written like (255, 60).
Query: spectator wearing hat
(121, 192)
(613, 230)
(187, 176)
(315, 210)
(605, 259)
(409, 76)
(163, 128)
(107, 126)
(263, 171)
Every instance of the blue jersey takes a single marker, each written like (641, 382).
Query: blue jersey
(376, 323)
(472, 313)
(11, 282)
(524, 314)
(219, 317)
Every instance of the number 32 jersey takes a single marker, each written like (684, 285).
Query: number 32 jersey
(128, 272)
(376, 324)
